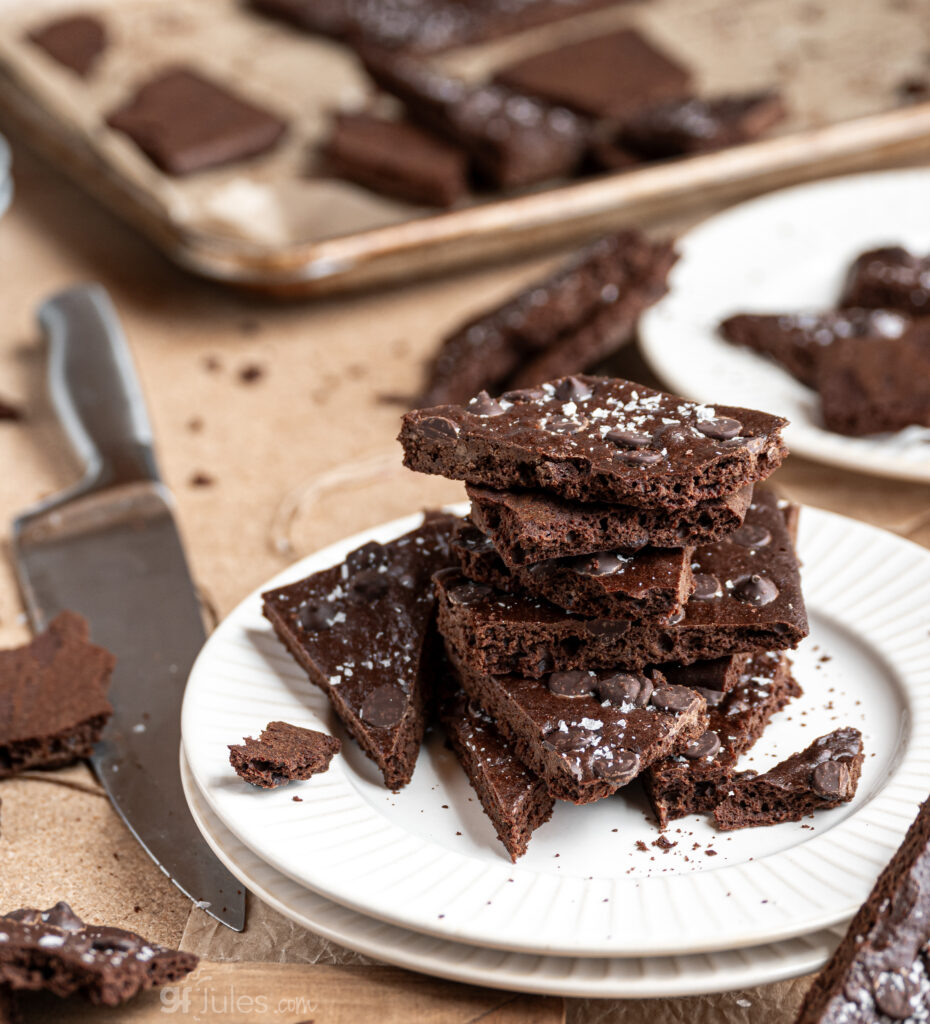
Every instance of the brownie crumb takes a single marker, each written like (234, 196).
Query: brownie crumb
(640, 845)
(283, 753)
(212, 364)
(251, 373)
(664, 844)
(201, 480)
(195, 424)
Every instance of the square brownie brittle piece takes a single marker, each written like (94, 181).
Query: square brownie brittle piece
(881, 970)
(747, 599)
(822, 776)
(588, 734)
(513, 139)
(53, 697)
(797, 341)
(362, 632)
(283, 753)
(185, 122)
(651, 584)
(532, 526)
(889, 278)
(516, 800)
(606, 77)
(597, 439)
(698, 777)
(397, 159)
(869, 389)
(75, 42)
(55, 951)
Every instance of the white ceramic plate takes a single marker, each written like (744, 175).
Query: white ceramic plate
(626, 978)
(427, 859)
(785, 252)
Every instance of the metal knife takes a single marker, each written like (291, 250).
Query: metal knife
(109, 549)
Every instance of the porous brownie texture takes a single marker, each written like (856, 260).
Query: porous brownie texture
(283, 753)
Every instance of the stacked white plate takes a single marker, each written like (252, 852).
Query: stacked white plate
(419, 879)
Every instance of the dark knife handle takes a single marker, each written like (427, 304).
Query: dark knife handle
(94, 387)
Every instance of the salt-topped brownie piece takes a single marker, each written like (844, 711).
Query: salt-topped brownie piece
(823, 775)
(698, 777)
(797, 341)
(361, 630)
(588, 734)
(55, 951)
(53, 697)
(283, 753)
(597, 439)
(889, 278)
(532, 526)
(513, 139)
(747, 599)
(649, 584)
(516, 800)
(596, 296)
(881, 970)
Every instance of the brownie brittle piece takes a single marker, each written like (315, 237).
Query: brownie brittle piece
(699, 776)
(75, 41)
(824, 775)
(889, 278)
(361, 630)
(869, 389)
(747, 599)
(597, 439)
(532, 526)
(881, 970)
(53, 697)
(397, 159)
(185, 122)
(516, 800)
(574, 317)
(651, 584)
(513, 139)
(606, 77)
(283, 753)
(55, 951)
(798, 340)
(588, 734)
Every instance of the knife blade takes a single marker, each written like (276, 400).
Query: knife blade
(109, 549)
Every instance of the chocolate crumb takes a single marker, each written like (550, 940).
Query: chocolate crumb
(200, 479)
(251, 373)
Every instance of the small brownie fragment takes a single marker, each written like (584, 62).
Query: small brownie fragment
(532, 526)
(685, 126)
(824, 775)
(607, 77)
(889, 278)
(649, 585)
(283, 753)
(55, 951)
(588, 734)
(361, 631)
(513, 139)
(747, 599)
(397, 159)
(868, 389)
(797, 341)
(76, 41)
(597, 439)
(598, 295)
(53, 697)
(185, 122)
(881, 970)
(699, 776)
(516, 800)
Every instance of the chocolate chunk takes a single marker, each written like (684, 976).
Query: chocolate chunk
(601, 563)
(706, 587)
(830, 779)
(469, 593)
(704, 746)
(316, 615)
(565, 740)
(751, 536)
(607, 76)
(367, 585)
(283, 753)
(397, 159)
(439, 428)
(618, 767)
(624, 688)
(53, 696)
(722, 428)
(484, 405)
(889, 278)
(185, 122)
(54, 951)
(628, 439)
(755, 590)
(76, 41)
(572, 389)
(384, 707)
(672, 698)
(571, 684)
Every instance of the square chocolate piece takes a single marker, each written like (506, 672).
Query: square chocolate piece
(76, 41)
(607, 77)
(185, 122)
